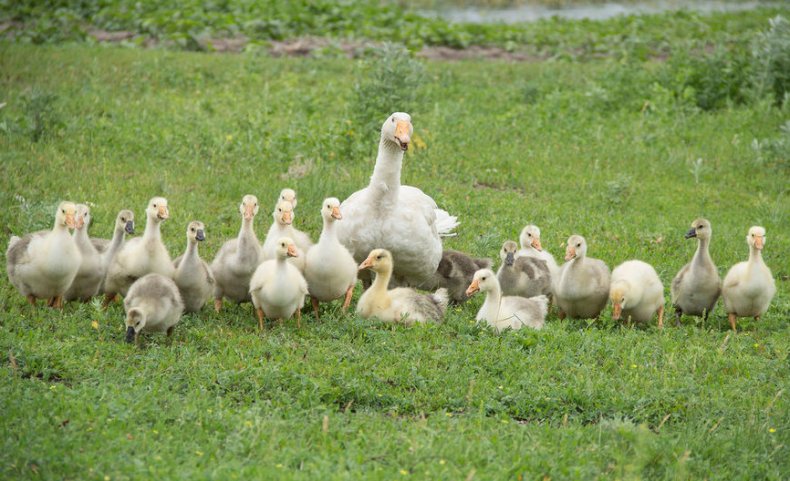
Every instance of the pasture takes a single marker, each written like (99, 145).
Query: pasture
(621, 151)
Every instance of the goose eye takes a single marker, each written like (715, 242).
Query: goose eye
(578, 245)
(256, 204)
(63, 210)
(192, 229)
(700, 227)
(392, 119)
(482, 278)
(379, 257)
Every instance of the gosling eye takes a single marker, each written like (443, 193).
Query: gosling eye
(700, 226)
(579, 245)
(379, 257)
(483, 278)
(63, 210)
(192, 229)
(392, 119)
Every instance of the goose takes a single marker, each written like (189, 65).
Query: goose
(152, 304)
(636, 292)
(237, 259)
(531, 247)
(42, 265)
(582, 285)
(454, 273)
(107, 248)
(749, 286)
(503, 312)
(288, 195)
(193, 276)
(522, 276)
(399, 218)
(696, 287)
(141, 255)
(401, 304)
(283, 227)
(330, 270)
(278, 288)
(91, 272)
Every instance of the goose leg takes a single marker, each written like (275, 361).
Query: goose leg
(109, 298)
(217, 304)
(58, 304)
(347, 300)
(31, 299)
(51, 302)
(298, 318)
(314, 301)
(678, 313)
(731, 316)
(661, 316)
(561, 314)
(170, 331)
(261, 315)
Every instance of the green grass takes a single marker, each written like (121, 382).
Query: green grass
(603, 149)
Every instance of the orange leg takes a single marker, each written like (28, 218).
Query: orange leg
(561, 314)
(731, 316)
(217, 304)
(261, 315)
(59, 302)
(298, 318)
(108, 299)
(661, 316)
(51, 302)
(347, 300)
(31, 299)
(314, 301)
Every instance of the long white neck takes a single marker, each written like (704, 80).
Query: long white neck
(701, 255)
(329, 233)
(191, 250)
(246, 234)
(385, 180)
(151, 228)
(491, 304)
(81, 237)
(382, 282)
(755, 257)
(117, 239)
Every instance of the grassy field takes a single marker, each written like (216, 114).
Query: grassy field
(619, 152)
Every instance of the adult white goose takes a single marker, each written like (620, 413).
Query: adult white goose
(399, 218)
(749, 286)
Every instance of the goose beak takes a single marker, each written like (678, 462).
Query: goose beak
(130, 334)
(617, 310)
(336, 213)
(249, 212)
(510, 258)
(759, 241)
(292, 251)
(80, 222)
(473, 287)
(129, 228)
(287, 218)
(201, 236)
(536, 243)
(691, 233)
(366, 264)
(162, 212)
(570, 253)
(402, 134)
(70, 223)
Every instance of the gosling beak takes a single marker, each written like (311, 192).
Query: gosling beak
(129, 228)
(536, 243)
(570, 253)
(366, 264)
(287, 218)
(617, 310)
(292, 251)
(402, 134)
(249, 212)
(201, 236)
(336, 213)
(70, 223)
(130, 335)
(80, 222)
(473, 287)
(691, 233)
(163, 212)
(759, 241)
(510, 258)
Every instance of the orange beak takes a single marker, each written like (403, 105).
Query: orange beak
(570, 253)
(70, 220)
(163, 212)
(336, 213)
(367, 263)
(80, 222)
(473, 287)
(402, 134)
(536, 243)
(287, 218)
(292, 251)
(617, 310)
(249, 211)
(759, 241)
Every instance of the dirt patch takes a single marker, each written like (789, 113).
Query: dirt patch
(476, 52)
(111, 37)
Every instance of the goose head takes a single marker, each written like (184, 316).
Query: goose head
(135, 322)
(288, 195)
(483, 280)
(286, 248)
(700, 229)
(66, 215)
(530, 237)
(83, 219)
(619, 297)
(330, 209)
(756, 237)
(508, 252)
(379, 260)
(577, 247)
(196, 231)
(125, 221)
(249, 207)
(157, 209)
(284, 213)
(398, 129)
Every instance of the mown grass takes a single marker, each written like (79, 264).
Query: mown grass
(604, 149)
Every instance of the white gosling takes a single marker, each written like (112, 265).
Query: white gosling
(91, 272)
(399, 218)
(141, 255)
(522, 276)
(152, 304)
(531, 247)
(401, 304)
(42, 265)
(330, 270)
(636, 293)
(237, 259)
(696, 287)
(582, 285)
(507, 312)
(283, 227)
(107, 248)
(288, 195)
(278, 288)
(193, 276)
(749, 286)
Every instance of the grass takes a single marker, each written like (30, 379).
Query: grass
(604, 149)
